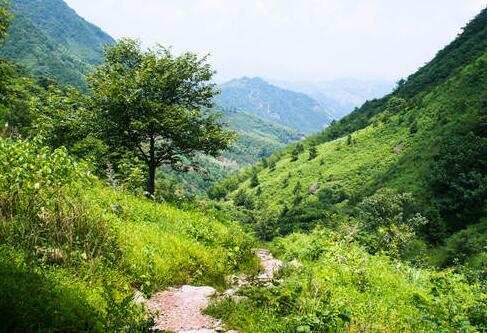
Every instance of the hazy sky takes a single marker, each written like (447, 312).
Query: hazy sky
(292, 39)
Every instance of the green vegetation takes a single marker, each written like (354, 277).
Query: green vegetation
(5, 17)
(50, 40)
(288, 108)
(430, 146)
(390, 234)
(73, 251)
(380, 219)
(332, 285)
(164, 120)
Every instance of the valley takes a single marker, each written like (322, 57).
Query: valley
(137, 195)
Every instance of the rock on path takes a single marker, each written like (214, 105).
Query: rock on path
(179, 309)
(269, 263)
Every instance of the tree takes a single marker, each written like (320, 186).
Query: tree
(389, 220)
(458, 179)
(5, 17)
(157, 106)
(295, 153)
(254, 181)
(313, 153)
(297, 188)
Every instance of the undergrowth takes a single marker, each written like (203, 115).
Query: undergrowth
(72, 251)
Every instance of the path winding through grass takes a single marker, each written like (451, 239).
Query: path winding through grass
(179, 309)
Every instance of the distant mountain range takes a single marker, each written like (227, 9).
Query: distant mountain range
(285, 107)
(341, 96)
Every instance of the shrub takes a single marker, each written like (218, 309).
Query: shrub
(389, 221)
(41, 202)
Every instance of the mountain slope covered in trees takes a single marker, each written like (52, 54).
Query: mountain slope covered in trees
(285, 107)
(427, 138)
(50, 40)
(379, 220)
(382, 214)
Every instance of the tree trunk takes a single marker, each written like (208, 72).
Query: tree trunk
(152, 169)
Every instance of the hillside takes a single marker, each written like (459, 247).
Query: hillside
(284, 107)
(50, 40)
(90, 247)
(340, 97)
(427, 138)
(376, 224)
(257, 138)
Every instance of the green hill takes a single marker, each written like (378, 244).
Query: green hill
(427, 138)
(50, 40)
(257, 138)
(285, 107)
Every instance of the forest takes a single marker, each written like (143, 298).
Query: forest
(123, 175)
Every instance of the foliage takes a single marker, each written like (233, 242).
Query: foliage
(5, 17)
(74, 251)
(330, 284)
(153, 104)
(459, 179)
(429, 144)
(291, 109)
(51, 40)
(313, 153)
(389, 221)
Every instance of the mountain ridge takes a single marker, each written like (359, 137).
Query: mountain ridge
(289, 108)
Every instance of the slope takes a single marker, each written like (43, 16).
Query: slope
(341, 96)
(88, 247)
(285, 107)
(51, 40)
(428, 138)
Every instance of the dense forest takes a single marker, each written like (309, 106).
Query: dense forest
(379, 221)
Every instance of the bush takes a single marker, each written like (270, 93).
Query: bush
(389, 221)
(41, 201)
(332, 285)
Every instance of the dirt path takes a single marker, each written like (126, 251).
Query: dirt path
(179, 309)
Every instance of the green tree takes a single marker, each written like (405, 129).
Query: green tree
(62, 117)
(254, 181)
(313, 153)
(5, 17)
(295, 153)
(156, 105)
(298, 188)
(272, 165)
(458, 179)
(390, 221)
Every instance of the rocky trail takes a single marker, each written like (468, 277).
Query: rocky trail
(179, 309)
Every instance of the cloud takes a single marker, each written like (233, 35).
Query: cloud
(292, 39)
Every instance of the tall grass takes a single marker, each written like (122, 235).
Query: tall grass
(72, 252)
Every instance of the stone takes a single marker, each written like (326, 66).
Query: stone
(313, 188)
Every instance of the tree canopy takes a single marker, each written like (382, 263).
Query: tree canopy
(5, 17)
(157, 106)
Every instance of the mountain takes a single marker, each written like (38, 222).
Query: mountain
(281, 106)
(341, 96)
(428, 139)
(49, 39)
(258, 137)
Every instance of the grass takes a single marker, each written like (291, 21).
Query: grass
(337, 287)
(73, 251)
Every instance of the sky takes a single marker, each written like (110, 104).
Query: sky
(292, 40)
